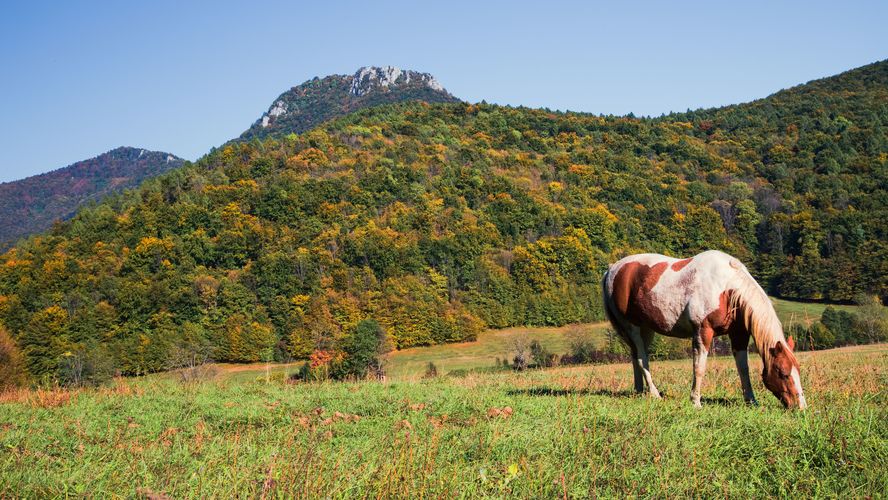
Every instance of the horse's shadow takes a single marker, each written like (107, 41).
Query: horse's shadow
(543, 391)
(551, 391)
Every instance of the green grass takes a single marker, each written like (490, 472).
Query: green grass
(572, 432)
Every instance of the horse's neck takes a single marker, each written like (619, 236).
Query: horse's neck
(761, 327)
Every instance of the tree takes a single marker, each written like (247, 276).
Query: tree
(871, 319)
(12, 366)
(361, 350)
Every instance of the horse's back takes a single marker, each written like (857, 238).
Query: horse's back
(667, 294)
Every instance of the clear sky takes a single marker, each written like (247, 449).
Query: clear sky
(80, 78)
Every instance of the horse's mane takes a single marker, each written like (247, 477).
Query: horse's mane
(751, 304)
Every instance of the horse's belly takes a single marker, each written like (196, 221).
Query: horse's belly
(680, 327)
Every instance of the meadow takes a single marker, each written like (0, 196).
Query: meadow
(563, 432)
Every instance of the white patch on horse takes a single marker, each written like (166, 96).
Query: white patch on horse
(796, 380)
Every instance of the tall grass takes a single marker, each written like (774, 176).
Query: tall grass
(571, 432)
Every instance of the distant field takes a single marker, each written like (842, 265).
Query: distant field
(565, 432)
(792, 312)
(483, 353)
(493, 344)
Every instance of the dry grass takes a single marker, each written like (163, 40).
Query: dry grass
(39, 398)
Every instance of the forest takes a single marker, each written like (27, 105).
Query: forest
(437, 221)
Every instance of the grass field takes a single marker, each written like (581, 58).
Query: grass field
(564, 432)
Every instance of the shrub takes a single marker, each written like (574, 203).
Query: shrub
(432, 370)
(519, 343)
(664, 347)
(818, 337)
(614, 344)
(541, 357)
(582, 348)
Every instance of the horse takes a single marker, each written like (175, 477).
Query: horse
(701, 297)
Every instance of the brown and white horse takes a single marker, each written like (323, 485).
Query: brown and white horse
(699, 298)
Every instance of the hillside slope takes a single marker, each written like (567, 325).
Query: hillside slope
(439, 220)
(31, 205)
(308, 105)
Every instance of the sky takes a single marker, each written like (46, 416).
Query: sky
(80, 78)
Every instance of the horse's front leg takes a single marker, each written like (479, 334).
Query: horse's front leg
(740, 346)
(702, 341)
(742, 362)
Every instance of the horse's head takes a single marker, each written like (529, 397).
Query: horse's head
(781, 376)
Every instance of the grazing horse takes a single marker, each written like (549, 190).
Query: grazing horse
(699, 298)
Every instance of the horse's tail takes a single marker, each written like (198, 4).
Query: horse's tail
(608, 304)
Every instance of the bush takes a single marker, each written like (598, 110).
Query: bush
(582, 347)
(357, 358)
(541, 357)
(818, 337)
(583, 350)
(432, 370)
(664, 347)
(519, 343)
(614, 344)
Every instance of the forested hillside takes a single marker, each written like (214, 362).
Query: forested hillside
(30, 205)
(440, 220)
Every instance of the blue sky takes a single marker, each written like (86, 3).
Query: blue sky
(80, 78)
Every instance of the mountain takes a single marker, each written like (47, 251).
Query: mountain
(308, 105)
(31, 205)
(440, 220)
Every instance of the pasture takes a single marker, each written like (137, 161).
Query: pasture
(564, 432)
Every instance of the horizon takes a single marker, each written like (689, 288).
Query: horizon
(148, 89)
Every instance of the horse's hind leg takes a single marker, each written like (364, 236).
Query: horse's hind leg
(642, 338)
(623, 332)
(637, 372)
(621, 328)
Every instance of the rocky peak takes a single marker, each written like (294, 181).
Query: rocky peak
(368, 78)
(320, 99)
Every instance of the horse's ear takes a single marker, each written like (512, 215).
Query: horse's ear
(777, 349)
(791, 343)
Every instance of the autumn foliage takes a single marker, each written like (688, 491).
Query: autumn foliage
(437, 221)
